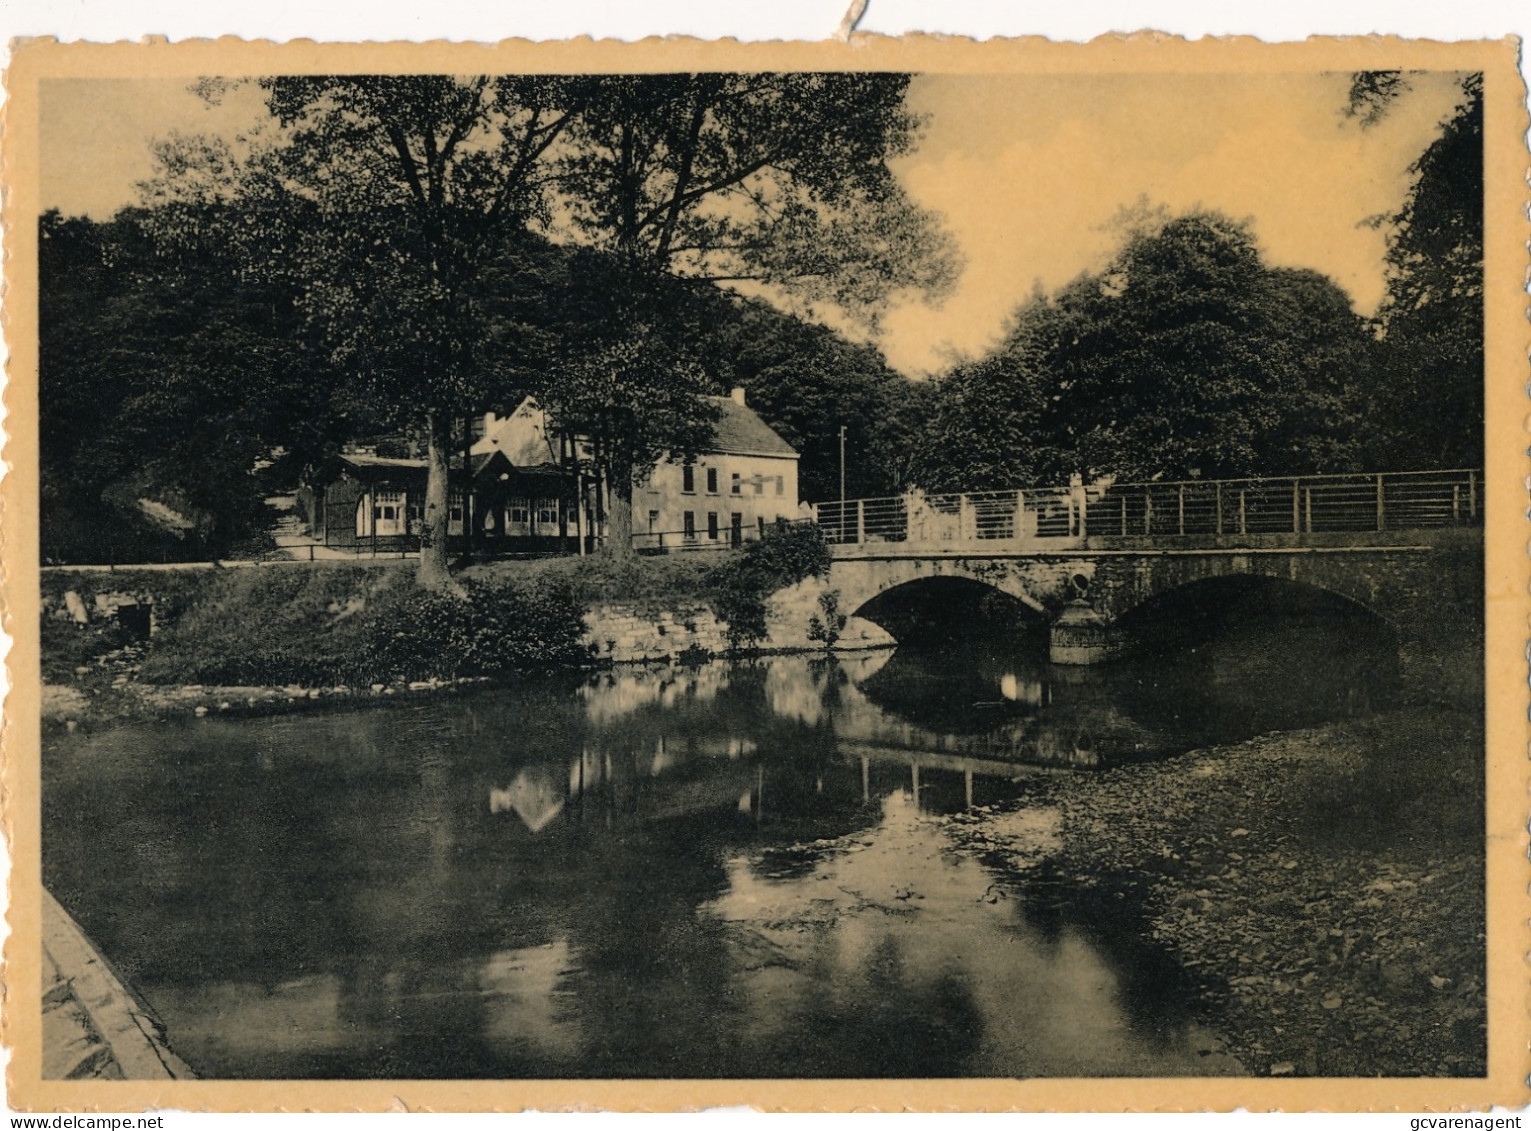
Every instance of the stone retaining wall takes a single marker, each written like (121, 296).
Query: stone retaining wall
(618, 632)
(623, 633)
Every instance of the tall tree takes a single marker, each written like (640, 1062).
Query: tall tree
(774, 181)
(1186, 355)
(385, 198)
(1429, 406)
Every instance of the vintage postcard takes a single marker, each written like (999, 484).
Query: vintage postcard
(896, 574)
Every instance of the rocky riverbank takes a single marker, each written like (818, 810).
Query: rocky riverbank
(1322, 891)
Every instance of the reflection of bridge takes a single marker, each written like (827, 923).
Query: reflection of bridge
(1406, 546)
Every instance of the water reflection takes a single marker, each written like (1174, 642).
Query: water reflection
(894, 953)
(533, 796)
(665, 871)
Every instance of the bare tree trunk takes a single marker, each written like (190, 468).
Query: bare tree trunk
(433, 572)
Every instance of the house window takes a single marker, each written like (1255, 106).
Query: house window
(518, 511)
(759, 484)
(653, 520)
(712, 525)
(388, 505)
(781, 485)
(388, 512)
(688, 479)
(712, 481)
(736, 532)
(735, 487)
(547, 512)
(688, 521)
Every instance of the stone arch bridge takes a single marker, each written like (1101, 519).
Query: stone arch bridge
(1407, 548)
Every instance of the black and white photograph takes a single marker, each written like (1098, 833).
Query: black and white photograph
(653, 572)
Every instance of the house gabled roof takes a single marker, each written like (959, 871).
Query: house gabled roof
(740, 431)
(525, 439)
(522, 436)
(481, 461)
(496, 464)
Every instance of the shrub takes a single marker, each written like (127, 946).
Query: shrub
(357, 625)
(480, 630)
(829, 627)
(651, 583)
(304, 625)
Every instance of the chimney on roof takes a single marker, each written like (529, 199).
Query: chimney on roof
(737, 395)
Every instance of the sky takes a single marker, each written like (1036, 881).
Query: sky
(1027, 172)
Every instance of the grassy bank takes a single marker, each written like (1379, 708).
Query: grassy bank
(317, 626)
(331, 628)
(1322, 891)
(648, 583)
(340, 625)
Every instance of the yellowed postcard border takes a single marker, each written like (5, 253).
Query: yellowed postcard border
(1506, 232)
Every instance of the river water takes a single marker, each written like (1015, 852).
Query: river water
(727, 870)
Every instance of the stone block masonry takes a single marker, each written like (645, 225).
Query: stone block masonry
(622, 633)
(625, 633)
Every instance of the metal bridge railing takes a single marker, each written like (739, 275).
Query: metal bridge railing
(703, 538)
(1292, 505)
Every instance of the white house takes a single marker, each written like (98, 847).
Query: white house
(745, 479)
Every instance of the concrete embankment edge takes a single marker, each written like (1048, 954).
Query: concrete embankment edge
(94, 1026)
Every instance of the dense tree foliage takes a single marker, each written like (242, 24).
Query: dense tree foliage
(387, 203)
(771, 180)
(786, 554)
(126, 330)
(406, 251)
(165, 375)
(1428, 405)
(988, 421)
(632, 372)
(778, 179)
(1187, 354)
(388, 200)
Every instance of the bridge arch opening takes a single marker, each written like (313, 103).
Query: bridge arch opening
(940, 610)
(1252, 631)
